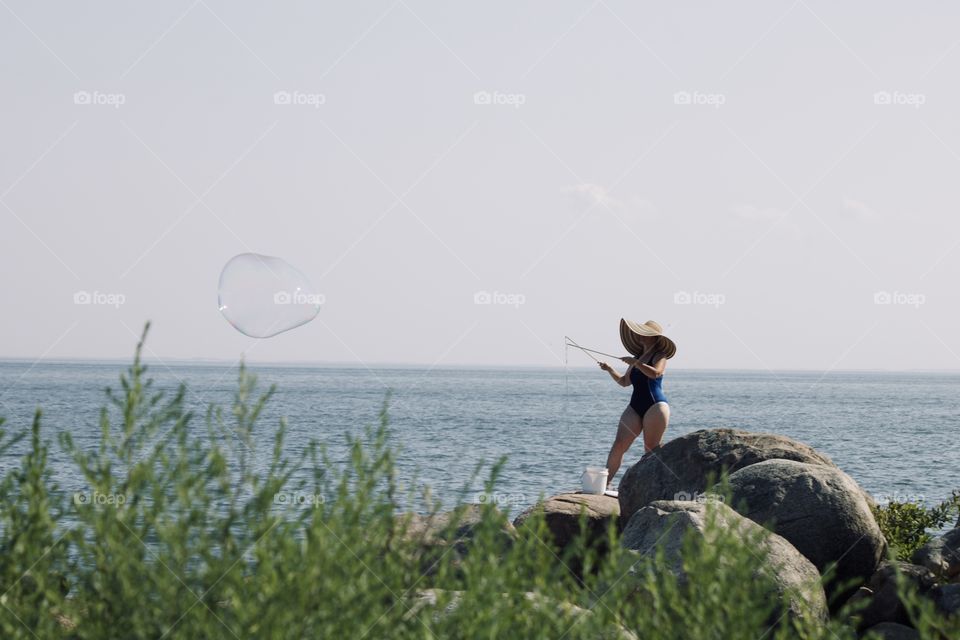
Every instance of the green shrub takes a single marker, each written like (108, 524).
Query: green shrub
(907, 526)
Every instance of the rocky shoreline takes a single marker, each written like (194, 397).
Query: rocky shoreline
(819, 545)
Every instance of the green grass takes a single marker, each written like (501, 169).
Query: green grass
(178, 535)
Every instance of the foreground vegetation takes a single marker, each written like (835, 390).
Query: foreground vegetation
(181, 533)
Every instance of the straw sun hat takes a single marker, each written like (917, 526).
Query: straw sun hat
(630, 332)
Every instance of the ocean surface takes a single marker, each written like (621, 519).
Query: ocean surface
(895, 433)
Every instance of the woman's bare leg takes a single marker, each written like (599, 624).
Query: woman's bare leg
(655, 421)
(629, 428)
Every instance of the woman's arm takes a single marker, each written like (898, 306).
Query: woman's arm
(623, 380)
(654, 371)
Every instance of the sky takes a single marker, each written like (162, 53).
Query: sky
(467, 183)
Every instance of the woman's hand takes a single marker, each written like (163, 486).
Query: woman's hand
(605, 367)
(630, 360)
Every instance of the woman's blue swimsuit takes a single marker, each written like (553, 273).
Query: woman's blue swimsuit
(646, 391)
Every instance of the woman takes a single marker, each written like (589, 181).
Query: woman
(648, 411)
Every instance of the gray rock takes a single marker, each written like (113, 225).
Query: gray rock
(819, 509)
(941, 555)
(682, 465)
(785, 575)
(947, 599)
(562, 516)
(883, 597)
(894, 631)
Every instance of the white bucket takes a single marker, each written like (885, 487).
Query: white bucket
(594, 480)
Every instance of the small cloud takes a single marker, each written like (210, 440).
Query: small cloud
(593, 195)
(750, 212)
(858, 209)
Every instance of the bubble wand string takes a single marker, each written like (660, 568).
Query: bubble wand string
(590, 351)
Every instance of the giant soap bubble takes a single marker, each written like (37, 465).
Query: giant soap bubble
(262, 296)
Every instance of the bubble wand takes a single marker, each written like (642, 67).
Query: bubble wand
(589, 352)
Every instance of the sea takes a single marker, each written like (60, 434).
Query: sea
(894, 433)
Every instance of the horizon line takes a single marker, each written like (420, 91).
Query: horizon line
(419, 365)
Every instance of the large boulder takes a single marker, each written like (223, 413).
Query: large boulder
(882, 594)
(819, 509)
(941, 555)
(783, 574)
(683, 465)
(562, 516)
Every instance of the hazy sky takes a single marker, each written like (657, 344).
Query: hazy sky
(774, 182)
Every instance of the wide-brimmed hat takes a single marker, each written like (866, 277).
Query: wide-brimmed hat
(630, 332)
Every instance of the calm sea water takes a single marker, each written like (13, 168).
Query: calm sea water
(895, 433)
